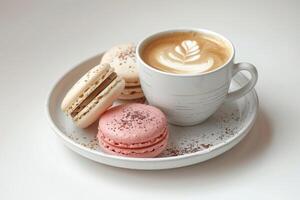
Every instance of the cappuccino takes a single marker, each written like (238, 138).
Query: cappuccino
(186, 52)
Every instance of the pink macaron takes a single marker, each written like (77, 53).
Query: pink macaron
(133, 130)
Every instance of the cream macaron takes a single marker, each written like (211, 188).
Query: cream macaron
(122, 58)
(92, 94)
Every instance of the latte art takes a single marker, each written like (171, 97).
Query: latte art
(188, 53)
(185, 57)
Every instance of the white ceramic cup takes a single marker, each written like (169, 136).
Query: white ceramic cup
(189, 99)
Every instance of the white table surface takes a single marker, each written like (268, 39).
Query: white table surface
(40, 40)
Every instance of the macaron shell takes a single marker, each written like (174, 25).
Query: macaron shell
(132, 123)
(100, 104)
(148, 152)
(135, 83)
(122, 58)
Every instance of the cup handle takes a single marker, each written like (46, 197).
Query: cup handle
(246, 88)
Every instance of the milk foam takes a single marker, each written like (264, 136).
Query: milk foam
(186, 53)
(185, 57)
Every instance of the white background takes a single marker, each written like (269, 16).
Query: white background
(40, 40)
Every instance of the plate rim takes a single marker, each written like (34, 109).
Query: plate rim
(242, 132)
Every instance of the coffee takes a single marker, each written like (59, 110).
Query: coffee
(186, 52)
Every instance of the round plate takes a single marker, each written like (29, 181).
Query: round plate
(187, 145)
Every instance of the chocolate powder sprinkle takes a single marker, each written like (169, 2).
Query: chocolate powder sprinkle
(131, 119)
(128, 53)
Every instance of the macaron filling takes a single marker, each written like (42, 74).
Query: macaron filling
(93, 94)
(132, 86)
(130, 92)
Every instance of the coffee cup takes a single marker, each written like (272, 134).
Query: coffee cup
(187, 73)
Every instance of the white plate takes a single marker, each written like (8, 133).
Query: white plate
(187, 145)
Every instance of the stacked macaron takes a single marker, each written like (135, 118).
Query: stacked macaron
(92, 95)
(133, 130)
(122, 58)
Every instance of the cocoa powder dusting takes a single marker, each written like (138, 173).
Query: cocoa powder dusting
(128, 53)
(131, 119)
